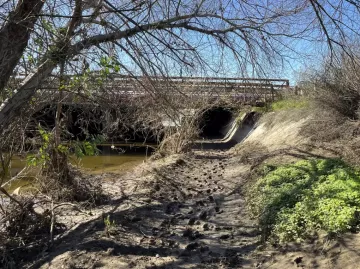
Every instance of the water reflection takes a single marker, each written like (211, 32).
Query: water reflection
(117, 159)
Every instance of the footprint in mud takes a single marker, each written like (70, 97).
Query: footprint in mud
(172, 207)
(192, 235)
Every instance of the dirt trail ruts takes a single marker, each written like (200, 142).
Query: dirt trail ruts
(187, 213)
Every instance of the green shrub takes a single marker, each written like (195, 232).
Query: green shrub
(294, 201)
(289, 104)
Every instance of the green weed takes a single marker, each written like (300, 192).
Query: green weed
(289, 104)
(293, 202)
(110, 226)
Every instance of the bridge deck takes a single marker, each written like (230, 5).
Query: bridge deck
(116, 84)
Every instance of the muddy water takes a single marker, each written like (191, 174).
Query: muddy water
(111, 163)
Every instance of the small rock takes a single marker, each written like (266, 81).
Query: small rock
(206, 226)
(198, 222)
(211, 199)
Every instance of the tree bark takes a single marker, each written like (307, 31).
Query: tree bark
(14, 36)
(12, 106)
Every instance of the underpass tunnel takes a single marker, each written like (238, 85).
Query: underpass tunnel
(215, 122)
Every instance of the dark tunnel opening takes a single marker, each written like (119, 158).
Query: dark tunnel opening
(214, 122)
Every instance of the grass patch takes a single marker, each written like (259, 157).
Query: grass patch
(283, 104)
(289, 104)
(261, 109)
(293, 202)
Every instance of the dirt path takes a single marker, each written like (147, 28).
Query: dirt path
(188, 212)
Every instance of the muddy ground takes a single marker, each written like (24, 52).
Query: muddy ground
(182, 212)
(189, 211)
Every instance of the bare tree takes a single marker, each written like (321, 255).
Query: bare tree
(165, 36)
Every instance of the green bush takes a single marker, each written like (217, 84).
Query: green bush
(292, 202)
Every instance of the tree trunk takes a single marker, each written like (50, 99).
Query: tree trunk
(12, 106)
(14, 36)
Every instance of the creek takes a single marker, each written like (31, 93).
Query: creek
(110, 160)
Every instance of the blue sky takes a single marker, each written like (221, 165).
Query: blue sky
(290, 55)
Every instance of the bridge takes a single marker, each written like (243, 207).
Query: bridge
(242, 89)
(116, 88)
